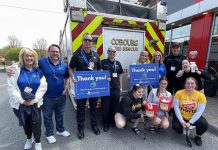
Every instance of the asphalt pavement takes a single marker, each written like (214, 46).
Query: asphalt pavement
(13, 138)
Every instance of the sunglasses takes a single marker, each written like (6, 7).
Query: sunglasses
(111, 51)
(87, 40)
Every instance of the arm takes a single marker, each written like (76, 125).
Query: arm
(13, 90)
(67, 82)
(128, 110)
(151, 96)
(177, 111)
(198, 113)
(41, 90)
(120, 80)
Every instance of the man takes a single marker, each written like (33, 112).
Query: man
(57, 77)
(173, 64)
(85, 60)
(109, 103)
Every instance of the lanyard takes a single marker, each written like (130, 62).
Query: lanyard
(27, 79)
(85, 58)
(113, 66)
(52, 67)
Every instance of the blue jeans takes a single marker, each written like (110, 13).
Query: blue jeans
(56, 105)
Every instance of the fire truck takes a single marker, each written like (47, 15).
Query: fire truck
(131, 28)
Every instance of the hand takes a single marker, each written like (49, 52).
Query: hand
(188, 124)
(64, 92)
(183, 124)
(28, 103)
(74, 80)
(180, 73)
(9, 71)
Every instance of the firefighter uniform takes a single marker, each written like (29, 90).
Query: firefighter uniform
(109, 103)
(81, 61)
(173, 65)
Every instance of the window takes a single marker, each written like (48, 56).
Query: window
(215, 29)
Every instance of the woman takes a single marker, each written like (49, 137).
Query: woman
(130, 107)
(143, 58)
(189, 105)
(186, 72)
(158, 59)
(26, 88)
(161, 118)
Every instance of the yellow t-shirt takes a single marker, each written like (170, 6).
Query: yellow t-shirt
(188, 102)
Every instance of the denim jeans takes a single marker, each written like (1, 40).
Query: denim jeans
(56, 105)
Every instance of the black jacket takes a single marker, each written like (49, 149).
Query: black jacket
(129, 106)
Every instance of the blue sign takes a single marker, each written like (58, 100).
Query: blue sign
(91, 84)
(145, 74)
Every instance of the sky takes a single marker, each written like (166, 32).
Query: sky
(30, 20)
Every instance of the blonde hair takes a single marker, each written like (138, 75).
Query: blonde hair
(29, 51)
(161, 57)
(142, 53)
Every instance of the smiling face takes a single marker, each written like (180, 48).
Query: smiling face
(138, 93)
(157, 57)
(163, 84)
(143, 58)
(186, 65)
(28, 59)
(54, 53)
(190, 84)
(87, 41)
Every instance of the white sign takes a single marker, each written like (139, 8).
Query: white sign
(78, 3)
(128, 43)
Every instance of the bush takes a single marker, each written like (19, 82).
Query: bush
(13, 54)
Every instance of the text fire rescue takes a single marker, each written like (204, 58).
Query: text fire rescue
(125, 44)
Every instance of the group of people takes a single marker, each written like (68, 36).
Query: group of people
(41, 84)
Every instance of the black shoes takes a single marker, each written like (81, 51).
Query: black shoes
(198, 140)
(80, 134)
(106, 128)
(96, 130)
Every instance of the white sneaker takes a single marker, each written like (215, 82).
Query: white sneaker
(38, 146)
(51, 139)
(65, 133)
(28, 144)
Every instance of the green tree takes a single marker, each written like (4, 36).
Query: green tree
(13, 54)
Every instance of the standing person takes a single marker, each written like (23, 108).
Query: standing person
(161, 118)
(85, 60)
(189, 105)
(186, 72)
(109, 103)
(131, 107)
(56, 74)
(173, 64)
(26, 87)
(143, 58)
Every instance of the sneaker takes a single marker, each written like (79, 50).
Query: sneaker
(28, 144)
(65, 133)
(152, 129)
(51, 139)
(38, 146)
(198, 140)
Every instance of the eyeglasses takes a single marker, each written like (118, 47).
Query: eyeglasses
(111, 51)
(87, 40)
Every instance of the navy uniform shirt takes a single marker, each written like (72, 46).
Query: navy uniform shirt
(29, 79)
(113, 67)
(55, 75)
(78, 61)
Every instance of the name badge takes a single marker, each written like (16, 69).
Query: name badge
(28, 89)
(173, 68)
(91, 65)
(114, 75)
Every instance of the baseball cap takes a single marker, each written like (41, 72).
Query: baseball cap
(175, 44)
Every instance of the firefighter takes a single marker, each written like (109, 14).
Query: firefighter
(109, 103)
(85, 60)
(173, 64)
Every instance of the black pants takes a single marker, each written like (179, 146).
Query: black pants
(109, 103)
(31, 127)
(80, 112)
(201, 125)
